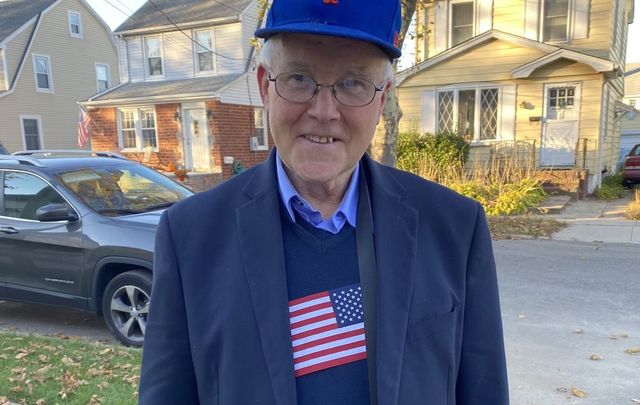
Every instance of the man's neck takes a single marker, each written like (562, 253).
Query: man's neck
(324, 197)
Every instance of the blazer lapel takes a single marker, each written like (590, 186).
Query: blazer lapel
(263, 258)
(395, 230)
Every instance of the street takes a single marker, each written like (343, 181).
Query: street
(562, 302)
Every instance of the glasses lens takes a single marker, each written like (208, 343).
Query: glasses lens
(295, 87)
(354, 92)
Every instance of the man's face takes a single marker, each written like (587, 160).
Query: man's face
(321, 141)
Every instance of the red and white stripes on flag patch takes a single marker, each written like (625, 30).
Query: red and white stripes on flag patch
(327, 329)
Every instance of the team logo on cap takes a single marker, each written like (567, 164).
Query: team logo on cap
(330, 1)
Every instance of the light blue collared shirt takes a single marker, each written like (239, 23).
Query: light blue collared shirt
(346, 212)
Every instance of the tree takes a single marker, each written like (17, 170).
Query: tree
(384, 147)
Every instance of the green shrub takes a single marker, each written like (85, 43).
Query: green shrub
(611, 188)
(432, 155)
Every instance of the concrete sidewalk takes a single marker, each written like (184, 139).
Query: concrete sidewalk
(593, 220)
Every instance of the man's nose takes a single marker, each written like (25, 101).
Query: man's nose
(324, 106)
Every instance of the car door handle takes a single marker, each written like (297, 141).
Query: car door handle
(9, 230)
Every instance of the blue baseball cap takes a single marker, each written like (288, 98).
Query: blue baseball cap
(377, 21)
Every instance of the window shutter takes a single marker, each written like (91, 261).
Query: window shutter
(485, 14)
(532, 19)
(581, 19)
(508, 113)
(429, 112)
(441, 25)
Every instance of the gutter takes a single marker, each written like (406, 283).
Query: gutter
(171, 27)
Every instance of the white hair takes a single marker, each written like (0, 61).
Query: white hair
(272, 48)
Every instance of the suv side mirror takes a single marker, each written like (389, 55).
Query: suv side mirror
(56, 212)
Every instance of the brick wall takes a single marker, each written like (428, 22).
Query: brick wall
(231, 127)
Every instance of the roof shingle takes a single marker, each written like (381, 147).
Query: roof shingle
(181, 12)
(14, 13)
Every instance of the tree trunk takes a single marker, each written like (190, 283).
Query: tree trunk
(384, 146)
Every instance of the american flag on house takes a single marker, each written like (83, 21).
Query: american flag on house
(83, 128)
(327, 329)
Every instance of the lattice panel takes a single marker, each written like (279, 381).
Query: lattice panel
(489, 113)
(445, 111)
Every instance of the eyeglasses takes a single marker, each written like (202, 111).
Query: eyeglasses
(300, 88)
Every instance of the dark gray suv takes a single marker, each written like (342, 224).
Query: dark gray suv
(78, 229)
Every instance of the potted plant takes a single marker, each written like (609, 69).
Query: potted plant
(180, 173)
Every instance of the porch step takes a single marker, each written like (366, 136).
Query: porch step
(553, 204)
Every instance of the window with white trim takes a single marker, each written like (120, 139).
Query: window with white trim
(461, 22)
(153, 49)
(42, 72)
(30, 126)
(102, 76)
(259, 129)
(204, 51)
(555, 20)
(472, 113)
(75, 24)
(137, 128)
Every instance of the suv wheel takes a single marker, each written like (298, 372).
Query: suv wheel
(125, 306)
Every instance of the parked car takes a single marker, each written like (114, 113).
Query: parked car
(631, 168)
(77, 230)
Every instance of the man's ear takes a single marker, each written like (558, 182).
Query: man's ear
(383, 98)
(263, 84)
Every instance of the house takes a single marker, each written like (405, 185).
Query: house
(540, 76)
(52, 54)
(630, 120)
(188, 96)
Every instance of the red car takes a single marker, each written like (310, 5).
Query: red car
(631, 169)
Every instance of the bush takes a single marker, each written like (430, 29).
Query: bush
(633, 210)
(611, 188)
(432, 156)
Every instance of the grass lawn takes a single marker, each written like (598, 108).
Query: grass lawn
(62, 370)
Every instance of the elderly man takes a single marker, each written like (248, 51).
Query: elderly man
(320, 276)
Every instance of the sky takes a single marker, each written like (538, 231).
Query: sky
(114, 12)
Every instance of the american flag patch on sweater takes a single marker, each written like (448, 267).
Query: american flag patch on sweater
(327, 329)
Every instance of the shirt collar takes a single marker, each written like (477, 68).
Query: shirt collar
(347, 209)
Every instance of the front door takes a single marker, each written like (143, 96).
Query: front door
(197, 143)
(561, 125)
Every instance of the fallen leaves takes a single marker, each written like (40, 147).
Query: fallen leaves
(633, 350)
(596, 357)
(577, 392)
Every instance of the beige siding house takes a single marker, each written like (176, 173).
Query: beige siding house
(630, 120)
(53, 53)
(188, 96)
(543, 75)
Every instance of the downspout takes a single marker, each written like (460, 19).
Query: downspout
(604, 123)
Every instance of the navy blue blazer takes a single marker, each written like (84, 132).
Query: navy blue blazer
(218, 327)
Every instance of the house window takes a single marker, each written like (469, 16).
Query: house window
(75, 24)
(30, 126)
(555, 20)
(472, 113)
(259, 129)
(102, 77)
(204, 51)
(42, 71)
(562, 97)
(138, 129)
(153, 47)
(461, 22)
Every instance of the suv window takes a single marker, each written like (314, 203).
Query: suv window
(24, 193)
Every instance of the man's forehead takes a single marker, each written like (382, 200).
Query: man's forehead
(303, 66)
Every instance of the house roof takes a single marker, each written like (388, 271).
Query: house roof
(552, 54)
(15, 13)
(162, 91)
(180, 12)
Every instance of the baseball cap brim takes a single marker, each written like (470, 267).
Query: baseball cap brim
(327, 29)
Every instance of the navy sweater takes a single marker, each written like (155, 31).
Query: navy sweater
(316, 261)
